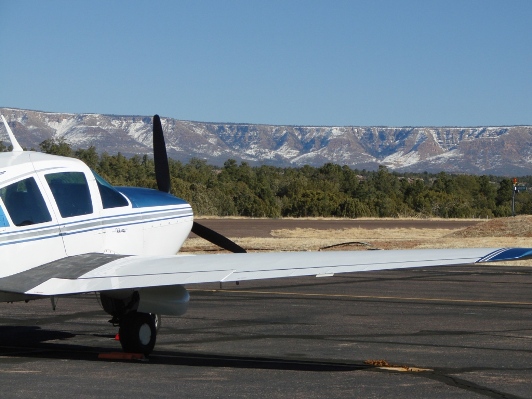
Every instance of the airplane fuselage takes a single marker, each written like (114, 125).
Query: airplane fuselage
(57, 207)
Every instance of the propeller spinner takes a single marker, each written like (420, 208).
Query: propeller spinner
(162, 176)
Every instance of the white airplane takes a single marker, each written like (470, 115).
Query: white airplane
(64, 230)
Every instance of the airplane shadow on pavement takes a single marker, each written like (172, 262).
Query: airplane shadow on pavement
(34, 342)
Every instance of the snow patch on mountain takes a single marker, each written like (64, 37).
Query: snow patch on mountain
(62, 127)
(399, 159)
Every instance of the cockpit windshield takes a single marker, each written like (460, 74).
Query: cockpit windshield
(111, 198)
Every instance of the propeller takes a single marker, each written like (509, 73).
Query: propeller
(162, 170)
(162, 176)
(216, 238)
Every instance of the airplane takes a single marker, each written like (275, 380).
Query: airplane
(64, 230)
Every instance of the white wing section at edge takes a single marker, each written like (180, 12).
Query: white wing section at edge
(140, 272)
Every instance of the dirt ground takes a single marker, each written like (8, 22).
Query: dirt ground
(257, 235)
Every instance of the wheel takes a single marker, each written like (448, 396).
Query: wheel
(138, 333)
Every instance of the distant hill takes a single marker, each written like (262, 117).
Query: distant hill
(498, 150)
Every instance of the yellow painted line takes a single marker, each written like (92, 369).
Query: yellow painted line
(364, 297)
(405, 369)
(382, 364)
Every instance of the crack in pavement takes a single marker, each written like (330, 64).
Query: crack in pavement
(443, 376)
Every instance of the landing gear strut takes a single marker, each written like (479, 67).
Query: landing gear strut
(138, 333)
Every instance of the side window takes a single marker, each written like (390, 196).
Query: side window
(71, 193)
(25, 203)
(110, 197)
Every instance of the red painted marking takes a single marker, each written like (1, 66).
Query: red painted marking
(121, 356)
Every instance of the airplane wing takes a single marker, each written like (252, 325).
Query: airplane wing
(102, 272)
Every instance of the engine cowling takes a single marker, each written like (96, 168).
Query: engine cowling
(171, 300)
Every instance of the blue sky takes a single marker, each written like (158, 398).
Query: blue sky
(334, 62)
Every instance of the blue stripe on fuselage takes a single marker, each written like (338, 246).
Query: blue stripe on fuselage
(145, 197)
(93, 224)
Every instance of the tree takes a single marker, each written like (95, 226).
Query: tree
(329, 190)
(89, 156)
(56, 147)
(504, 192)
(5, 148)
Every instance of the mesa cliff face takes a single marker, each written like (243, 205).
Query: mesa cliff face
(477, 150)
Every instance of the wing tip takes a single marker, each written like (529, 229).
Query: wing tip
(507, 254)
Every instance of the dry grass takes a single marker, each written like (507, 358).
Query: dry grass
(502, 232)
(514, 227)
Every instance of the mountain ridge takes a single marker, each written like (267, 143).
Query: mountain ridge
(498, 150)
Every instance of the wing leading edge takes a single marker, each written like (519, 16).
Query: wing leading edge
(100, 273)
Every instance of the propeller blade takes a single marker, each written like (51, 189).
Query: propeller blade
(216, 238)
(162, 176)
(162, 170)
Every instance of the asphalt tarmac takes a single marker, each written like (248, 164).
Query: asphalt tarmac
(462, 332)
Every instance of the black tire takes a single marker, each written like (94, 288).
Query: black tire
(138, 333)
